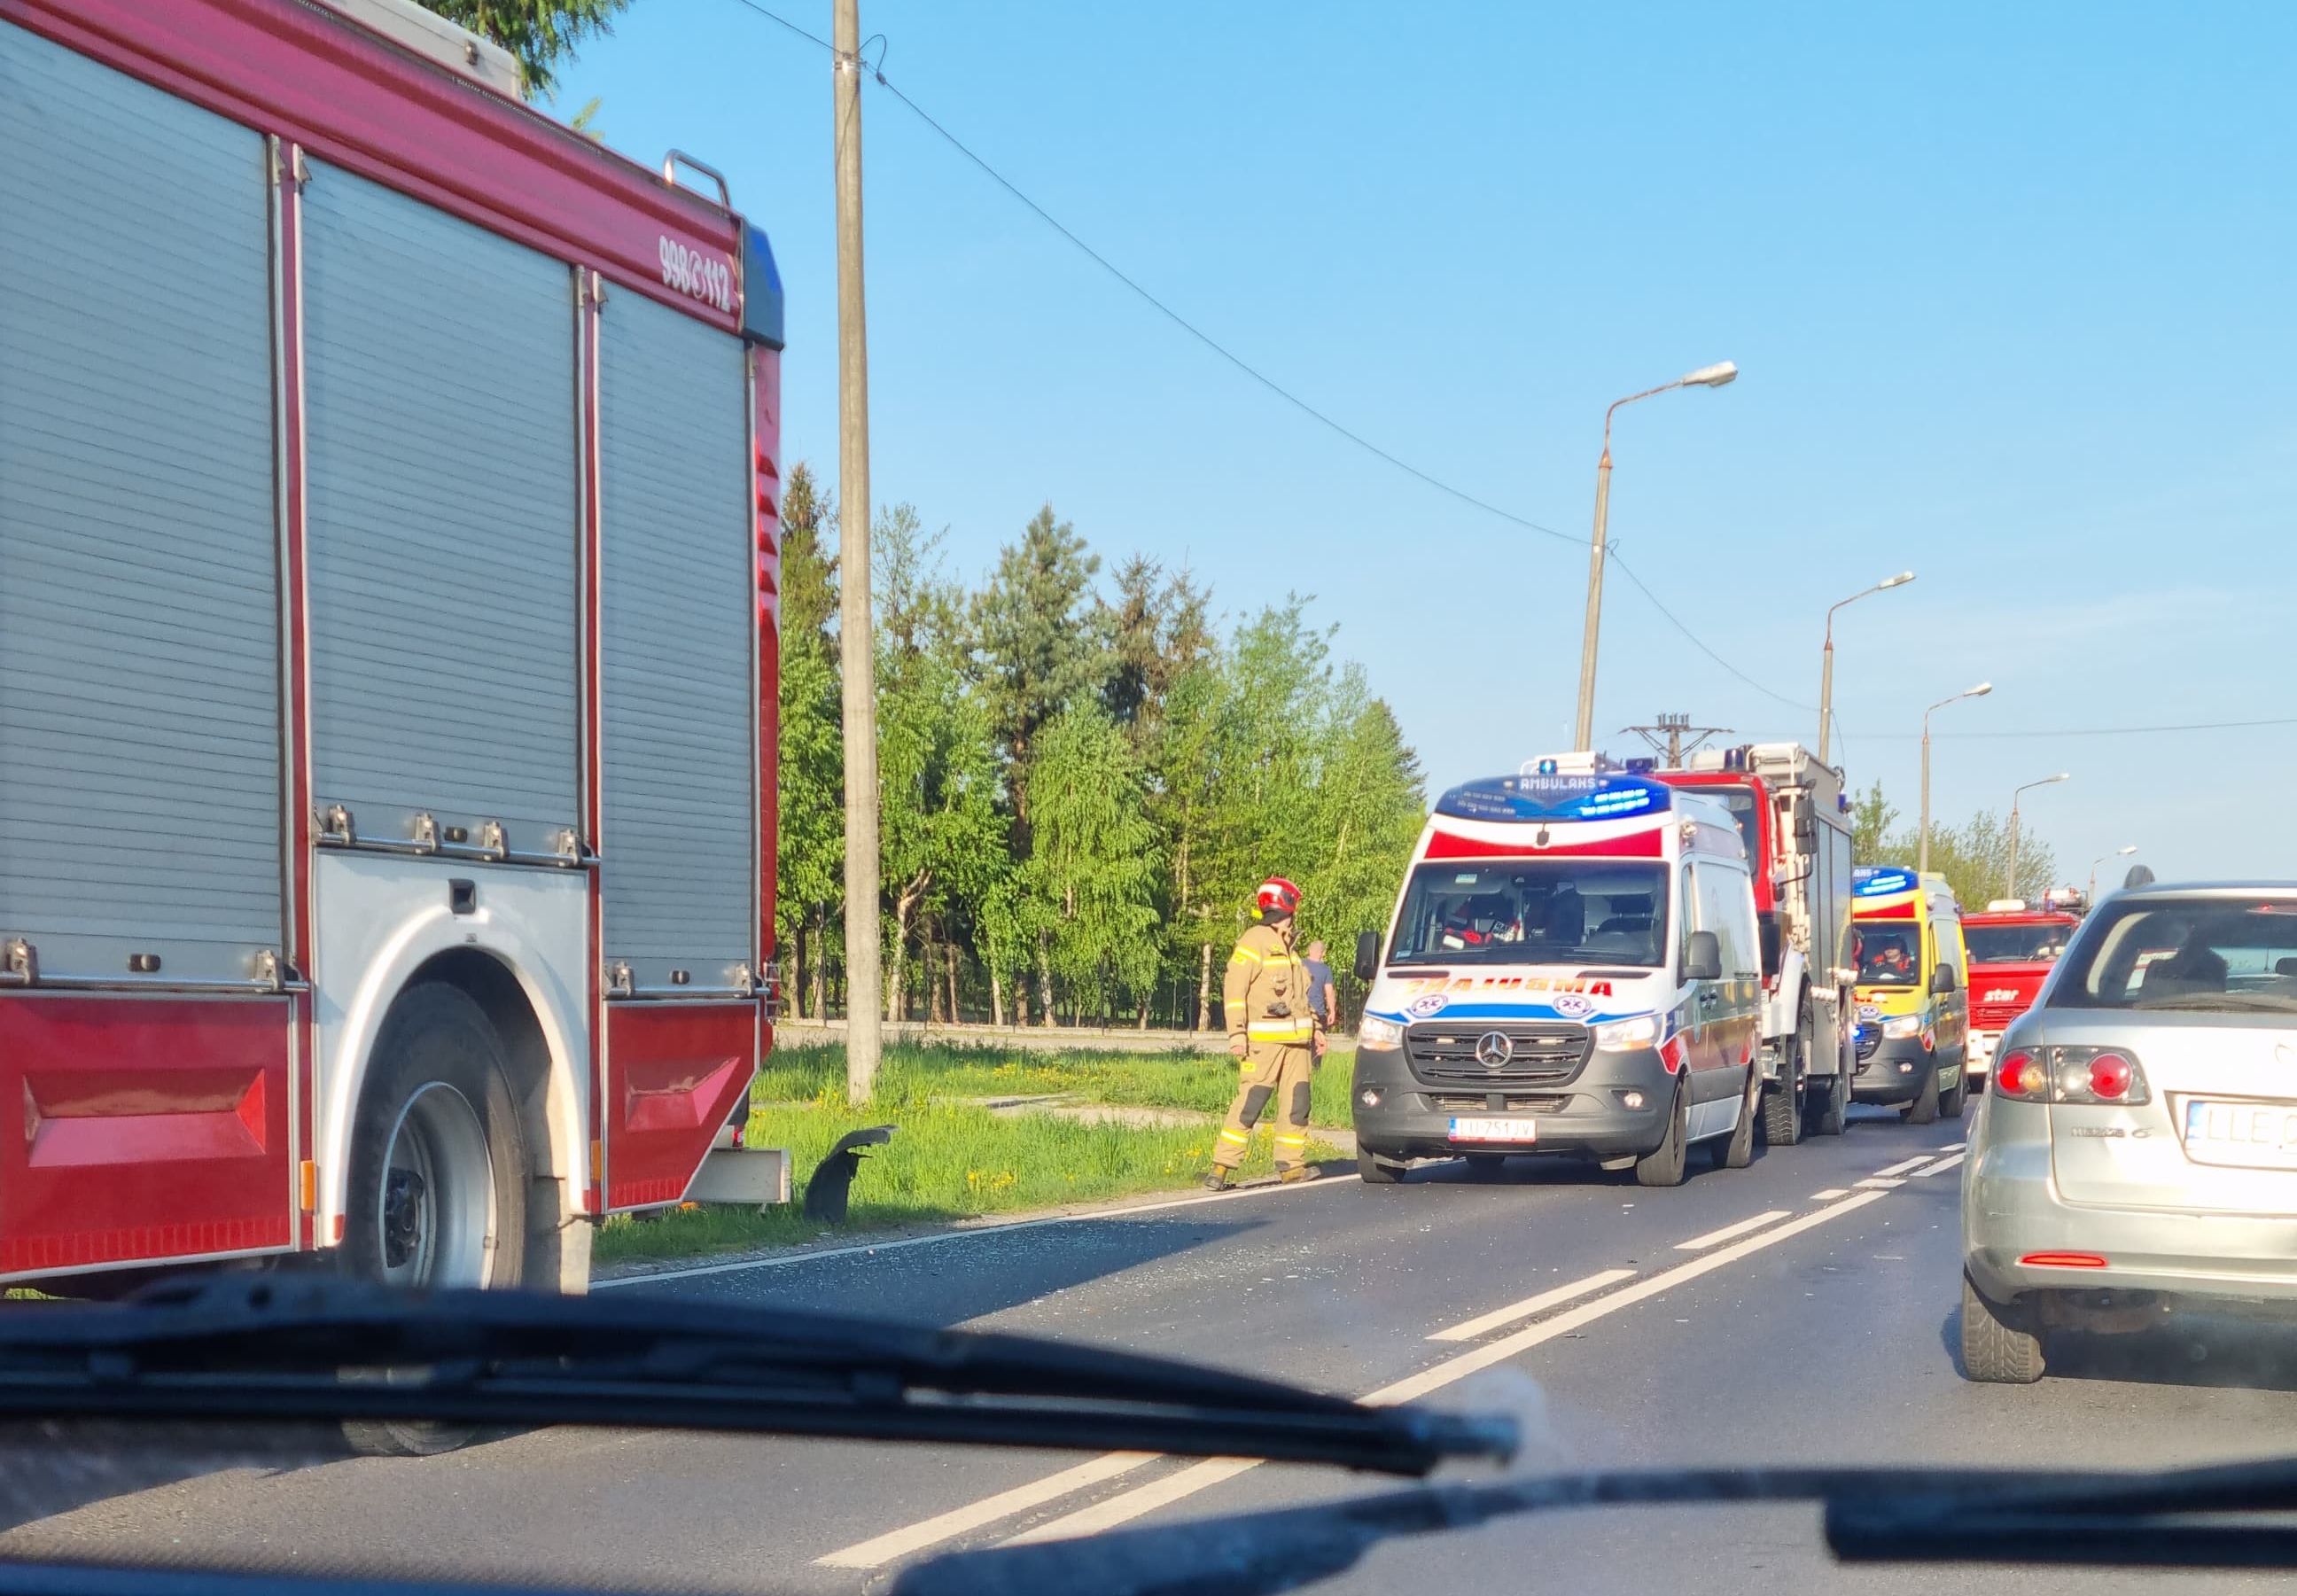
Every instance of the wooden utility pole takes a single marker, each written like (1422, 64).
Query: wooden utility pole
(864, 980)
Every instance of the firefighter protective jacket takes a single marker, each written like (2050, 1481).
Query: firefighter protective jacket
(1266, 993)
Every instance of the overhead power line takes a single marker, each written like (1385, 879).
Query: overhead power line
(1253, 372)
(2091, 731)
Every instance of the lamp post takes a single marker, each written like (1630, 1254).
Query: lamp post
(1826, 669)
(2101, 859)
(1706, 376)
(2010, 885)
(1922, 860)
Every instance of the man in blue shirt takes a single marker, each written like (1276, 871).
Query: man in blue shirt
(1323, 997)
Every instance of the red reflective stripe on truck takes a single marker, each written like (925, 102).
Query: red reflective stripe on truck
(1637, 844)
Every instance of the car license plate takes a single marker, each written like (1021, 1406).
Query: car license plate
(2247, 1135)
(1494, 1130)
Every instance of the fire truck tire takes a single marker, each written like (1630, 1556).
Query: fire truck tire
(1924, 1109)
(1830, 1111)
(1783, 1099)
(437, 1193)
(1664, 1165)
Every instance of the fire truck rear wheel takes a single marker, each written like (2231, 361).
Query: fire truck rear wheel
(437, 1194)
(1782, 1098)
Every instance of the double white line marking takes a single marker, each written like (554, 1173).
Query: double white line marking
(1129, 1505)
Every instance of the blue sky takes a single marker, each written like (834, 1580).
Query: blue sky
(2009, 287)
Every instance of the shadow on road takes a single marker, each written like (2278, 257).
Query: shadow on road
(48, 1468)
(970, 1276)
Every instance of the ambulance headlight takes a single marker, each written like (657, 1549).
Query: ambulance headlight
(1374, 1033)
(1625, 1036)
(1898, 1027)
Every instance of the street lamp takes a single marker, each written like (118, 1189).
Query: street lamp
(2101, 859)
(1706, 376)
(1827, 672)
(2010, 885)
(1922, 861)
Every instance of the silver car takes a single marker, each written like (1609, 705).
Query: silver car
(2139, 1147)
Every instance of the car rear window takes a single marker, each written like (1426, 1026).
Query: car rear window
(2207, 955)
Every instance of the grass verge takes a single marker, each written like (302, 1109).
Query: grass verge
(952, 1158)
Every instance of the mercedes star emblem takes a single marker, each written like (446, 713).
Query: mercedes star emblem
(1492, 1049)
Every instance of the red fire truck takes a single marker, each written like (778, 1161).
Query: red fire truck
(2011, 947)
(1791, 813)
(388, 481)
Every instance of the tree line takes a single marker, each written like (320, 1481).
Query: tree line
(1081, 780)
(1975, 857)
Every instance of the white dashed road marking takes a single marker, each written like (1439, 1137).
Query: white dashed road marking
(1880, 1183)
(1829, 1194)
(1530, 1305)
(1940, 1167)
(1129, 1505)
(1900, 1168)
(1699, 1244)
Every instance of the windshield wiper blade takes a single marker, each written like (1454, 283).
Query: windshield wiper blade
(317, 1347)
(1257, 1554)
(2221, 1516)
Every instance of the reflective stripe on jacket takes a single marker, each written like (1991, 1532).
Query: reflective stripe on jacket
(1265, 992)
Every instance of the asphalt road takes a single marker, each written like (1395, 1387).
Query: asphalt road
(1800, 1312)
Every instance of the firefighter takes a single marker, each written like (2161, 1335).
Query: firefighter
(1271, 1027)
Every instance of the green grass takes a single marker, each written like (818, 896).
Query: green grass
(952, 1159)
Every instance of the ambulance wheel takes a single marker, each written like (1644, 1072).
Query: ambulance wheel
(1924, 1109)
(437, 1190)
(1486, 1166)
(1664, 1165)
(1782, 1103)
(1373, 1169)
(1737, 1150)
(1951, 1100)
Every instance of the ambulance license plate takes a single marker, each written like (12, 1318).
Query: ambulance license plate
(1494, 1130)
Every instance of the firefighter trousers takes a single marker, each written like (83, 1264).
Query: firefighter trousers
(1277, 1074)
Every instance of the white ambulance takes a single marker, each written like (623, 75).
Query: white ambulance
(1574, 966)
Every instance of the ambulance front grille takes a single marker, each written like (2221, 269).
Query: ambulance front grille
(1452, 1052)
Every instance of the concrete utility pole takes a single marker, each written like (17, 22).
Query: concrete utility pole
(2010, 885)
(1706, 376)
(1826, 667)
(857, 634)
(1923, 859)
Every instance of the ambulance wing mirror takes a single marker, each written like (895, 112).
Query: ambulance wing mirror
(1367, 955)
(1942, 980)
(1702, 957)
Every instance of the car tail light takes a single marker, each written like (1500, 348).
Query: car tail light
(2071, 1075)
(2097, 1075)
(2110, 1075)
(2023, 1075)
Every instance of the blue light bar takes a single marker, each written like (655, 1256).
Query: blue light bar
(1610, 796)
(1879, 881)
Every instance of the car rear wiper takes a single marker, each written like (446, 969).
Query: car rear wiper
(1872, 1515)
(280, 1347)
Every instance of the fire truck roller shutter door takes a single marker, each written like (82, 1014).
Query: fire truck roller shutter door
(443, 518)
(679, 769)
(139, 631)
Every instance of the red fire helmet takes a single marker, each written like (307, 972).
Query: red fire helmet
(1278, 896)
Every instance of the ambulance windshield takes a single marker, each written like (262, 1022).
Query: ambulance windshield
(1535, 911)
(1888, 955)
